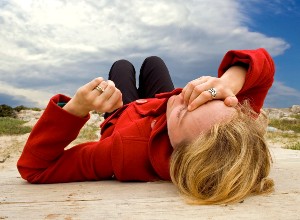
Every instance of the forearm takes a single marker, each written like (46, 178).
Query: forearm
(53, 132)
(76, 109)
(259, 77)
(234, 78)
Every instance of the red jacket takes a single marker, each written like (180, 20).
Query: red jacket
(134, 144)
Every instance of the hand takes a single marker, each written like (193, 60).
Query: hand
(231, 82)
(195, 92)
(87, 98)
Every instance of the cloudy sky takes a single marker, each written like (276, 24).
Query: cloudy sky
(55, 46)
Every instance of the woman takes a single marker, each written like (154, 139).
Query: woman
(211, 147)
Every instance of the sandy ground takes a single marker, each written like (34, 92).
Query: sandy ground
(158, 200)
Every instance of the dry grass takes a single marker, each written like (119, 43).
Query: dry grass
(286, 125)
(89, 133)
(12, 126)
(289, 133)
(296, 146)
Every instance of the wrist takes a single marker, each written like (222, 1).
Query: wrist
(76, 109)
(234, 78)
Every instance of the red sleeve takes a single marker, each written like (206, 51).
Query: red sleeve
(259, 78)
(44, 158)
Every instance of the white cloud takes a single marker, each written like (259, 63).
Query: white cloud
(279, 88)
(281, 95)
(37, 97)
(46, 43)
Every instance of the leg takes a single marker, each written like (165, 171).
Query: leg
(154, 78)
(122, 73)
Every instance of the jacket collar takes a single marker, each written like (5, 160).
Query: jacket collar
(154, 106)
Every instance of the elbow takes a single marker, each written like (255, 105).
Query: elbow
(28, 174)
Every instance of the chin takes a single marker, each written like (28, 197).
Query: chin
(174, 142)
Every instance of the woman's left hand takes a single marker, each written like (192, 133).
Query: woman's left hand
(196, 93)
(88, 98)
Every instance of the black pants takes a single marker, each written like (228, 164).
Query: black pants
(154, 78)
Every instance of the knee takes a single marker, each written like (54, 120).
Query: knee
(122, 63)
(122, 66)
(154, 59)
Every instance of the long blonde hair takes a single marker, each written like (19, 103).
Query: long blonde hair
(226, 164)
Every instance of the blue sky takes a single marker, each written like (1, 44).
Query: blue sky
(50, 47)
(281, 19)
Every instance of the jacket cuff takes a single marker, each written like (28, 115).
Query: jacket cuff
(57, 102)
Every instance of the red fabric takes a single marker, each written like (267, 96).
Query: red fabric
(134, 144)
(259, 78)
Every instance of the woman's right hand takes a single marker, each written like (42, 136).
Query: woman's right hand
(87, 98)
(195, 93)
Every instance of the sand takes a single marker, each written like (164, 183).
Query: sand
(157, 200)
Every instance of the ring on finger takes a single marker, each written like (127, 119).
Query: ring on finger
(99, 88)
(213, 92)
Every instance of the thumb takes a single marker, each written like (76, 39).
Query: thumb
(231, 101)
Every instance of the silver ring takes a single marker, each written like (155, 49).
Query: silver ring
(213, 92)
(99, 88)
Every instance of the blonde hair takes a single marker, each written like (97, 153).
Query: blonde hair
(226, 164)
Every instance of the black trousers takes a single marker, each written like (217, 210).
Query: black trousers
(154, 78)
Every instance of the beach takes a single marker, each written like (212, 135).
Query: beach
(134, 200)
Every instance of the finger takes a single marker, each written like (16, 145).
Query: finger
(186, 93)
(109, 88)
(101, 88)
(111, 83)
(188, 90)
(116, 101)
(200, 100)
(196, 92)
(95, 82)
(190, 87)
(231, 101)
(109, 105)
(203, 79)
(103, 101)
(229, 97)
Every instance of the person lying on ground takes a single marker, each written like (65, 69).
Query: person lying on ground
(207, 138)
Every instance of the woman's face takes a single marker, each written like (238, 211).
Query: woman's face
(185, 126)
